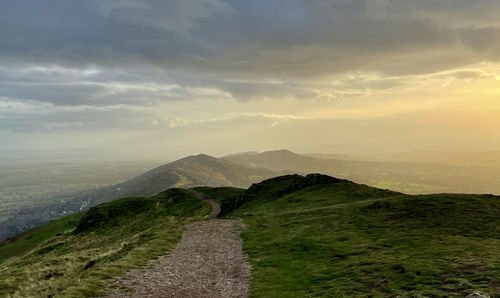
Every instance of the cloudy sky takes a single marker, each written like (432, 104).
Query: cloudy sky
(171, 78)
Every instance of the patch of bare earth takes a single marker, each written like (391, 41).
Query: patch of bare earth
(207, 262)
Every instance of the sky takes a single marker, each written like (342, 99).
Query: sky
(165, 79)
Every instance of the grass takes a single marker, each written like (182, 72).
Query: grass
(77, 255)
(183, 181)
(406, 187)
(227, 197)
(31, 239)
(344, 239)
(312, 236)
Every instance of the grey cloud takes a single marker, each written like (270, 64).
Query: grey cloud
(484, 41)
(175, 16)
(43, 117)
(455, 13)
(120, 55)
(33, 116)
(247, 38)
(100, 87)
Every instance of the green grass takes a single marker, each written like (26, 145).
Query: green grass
(75, 256)
(183, 181)
(227, 197)
(344, 239)
(33, 238)
(406, 187)
(313, 236)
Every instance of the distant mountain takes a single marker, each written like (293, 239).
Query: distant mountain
(340, 156)
(401, 175)
(190, 171)
(186, 172)
(277, 160)
(287, 160)
(243, 169)
(242, 153)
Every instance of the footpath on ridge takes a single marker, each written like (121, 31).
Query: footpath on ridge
(207, 262)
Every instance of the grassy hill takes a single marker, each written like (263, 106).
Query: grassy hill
(404, 176)
(73, 256)
(319, 236)
(192, 171)
(187, 172)
(243, 169)
(312, 236)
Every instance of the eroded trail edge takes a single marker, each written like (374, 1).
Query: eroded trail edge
(207, 262)
(215, 206)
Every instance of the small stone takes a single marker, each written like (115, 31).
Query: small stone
(478, 295)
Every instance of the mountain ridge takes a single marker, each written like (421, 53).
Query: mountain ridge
(245, 168)
(190, 171)
(400, 175)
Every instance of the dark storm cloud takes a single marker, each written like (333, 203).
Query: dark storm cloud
(98, 32)
(249, 38)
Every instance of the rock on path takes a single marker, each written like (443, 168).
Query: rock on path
(207, 262)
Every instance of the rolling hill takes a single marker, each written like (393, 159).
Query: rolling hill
(311, 235)
(405, 176)
(243, 169)
(73, 256)
(190, 171)
(186, 172)
(318, 236)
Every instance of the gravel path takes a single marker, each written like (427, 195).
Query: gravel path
(215, 206)
(207, 262)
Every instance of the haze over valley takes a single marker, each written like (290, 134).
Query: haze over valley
(34, 193)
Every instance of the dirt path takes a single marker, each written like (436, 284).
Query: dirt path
(207, 262)
(215, 206)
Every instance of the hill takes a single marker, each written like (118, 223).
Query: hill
(311, 235)
(192, 171)
(186, 172)
(340, 156)
(405, 176)
(73, 256)
(317, 236)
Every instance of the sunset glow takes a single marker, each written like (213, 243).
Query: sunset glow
(365, 78)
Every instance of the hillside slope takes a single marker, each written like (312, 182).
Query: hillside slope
(318, 236)
(186, 172)
(75, 255)
(192, 171)
(404, 176)
(306, 236)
